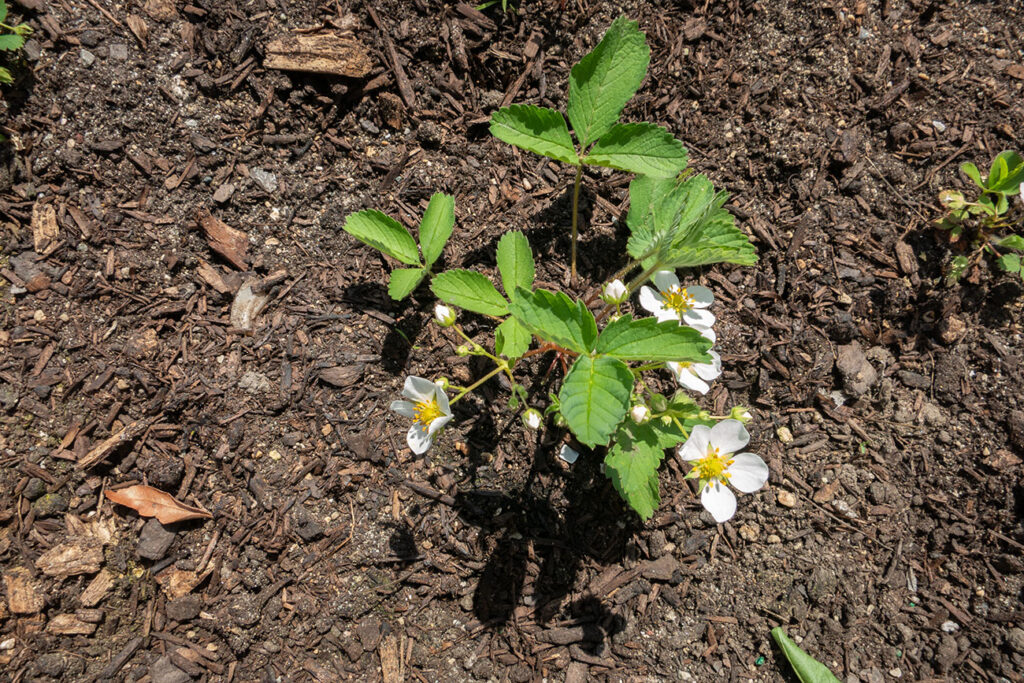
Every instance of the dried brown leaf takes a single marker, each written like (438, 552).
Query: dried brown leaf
(151, 502)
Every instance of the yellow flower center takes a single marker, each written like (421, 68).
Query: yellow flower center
(679, 300)
(426, 412)
(684, 364)
(713, 466)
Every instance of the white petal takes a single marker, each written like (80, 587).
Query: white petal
(719, 501)
(404, 408)
(442, 401)
(707, 333)
(699, 318)
(748, 472)
(666, 314)
(696, 447)
(709, 371)
(729, 436)
(650, 300)
(567, 454)
(419, 439)
(702, 296)
(664, 280)
(690, 381)
(435, 425)
(418, 388)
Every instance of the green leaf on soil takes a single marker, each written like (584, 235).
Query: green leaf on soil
(1010, 263)
(595, 397)
(5, 77)
(536, 129)
(404, 281)
(604, 80)
(973, 173)
(3, 10)
(641, 148)
(515, 262)
(1012, 242)
(384, 233)
(436, 226)
(11, 41)
(555, 317)
(1010, 167)
(806, 668)
(632, 465)
(469, 290)
(648, 340)
(957, 268)
(511, 339)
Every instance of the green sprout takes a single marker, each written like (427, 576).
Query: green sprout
(12, 39)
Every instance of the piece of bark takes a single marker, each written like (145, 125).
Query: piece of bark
(322, 53)
(70, 625)
(211, 276)
(24, 595)
(160, 10)
(905, 256)
(139, 28)
(232, 244)
(44, 227)
(391, 660)
(179, 582)
(81, 555)
(342, 375)
(97, 589)
(100, 452)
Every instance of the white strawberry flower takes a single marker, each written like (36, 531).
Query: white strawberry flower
(671, 301)
(712, 452)
(532, 419)
(428, 409)
(614, 292)
(696, 376)
(640, 414)
(444, 316)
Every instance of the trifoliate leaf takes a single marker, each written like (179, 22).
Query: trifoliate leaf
(511, 339)
(1012, 242)
(11, 41)
(536, 129)
(604, 80)
(595, 397)
(806, 668)
(555, 317)
(383, 233)
(515, 262)
(469, 290)
(647, 339)
(641, 148)
(436, 226)
(404, 281)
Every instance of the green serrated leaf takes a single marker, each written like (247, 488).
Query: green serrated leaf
(641, 148)
(806, 668)
(5, 77)
(1012, 242)
(1010, 263)
(384, 233)
(469, 290)
(555, 317)
(972, 172)
(404, 281)
(3, 11)
(11, 41)
(1011, 172)
(957, 268)
(436, 226)
(604, 80)
(595, 397)
(536, 129)
(648, 340)
(515, 262)
(632, 467)
(511, 339)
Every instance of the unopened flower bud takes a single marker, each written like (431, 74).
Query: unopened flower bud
(442, 382)
(640, 414)
(614, 293)
(532, 419)
(560, 421)
(462, 350)
(742, 414)
(703, 415)
(444, 316)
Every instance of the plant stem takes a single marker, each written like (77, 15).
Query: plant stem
(575, 216)
(502, 366)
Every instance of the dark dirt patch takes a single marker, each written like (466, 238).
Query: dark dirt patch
(889, 539)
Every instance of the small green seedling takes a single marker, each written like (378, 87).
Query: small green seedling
(387, 235)
(12, 39)
(806, 668)
(600, 85)
(984, 226)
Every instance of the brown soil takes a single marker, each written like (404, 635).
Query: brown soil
(888, 541)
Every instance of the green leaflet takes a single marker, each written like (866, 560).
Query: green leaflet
(604, 80)
(806, 668)
(404, 281)
(555, 317)
(641, 148)
(511, 339)
(536, 129)
(383, 233)
(633, 468)
(1010, 263)
(515, 262)
(1012, 242)
(469, 290)
(11, 41)
(3, 10)
(436, 226)
(972, 172)
(1006, 173)
(648, 340)
(595, 397)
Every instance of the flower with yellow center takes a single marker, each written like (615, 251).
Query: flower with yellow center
(696, 376)
(428, 409)
(672, 301)
(712, 453)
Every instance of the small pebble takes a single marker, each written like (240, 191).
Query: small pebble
(567, 454)
(950, 626)
(8, 644)
(787, 498)
(785, 436)
(773, 538)
(87, 57)
(749, 532)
